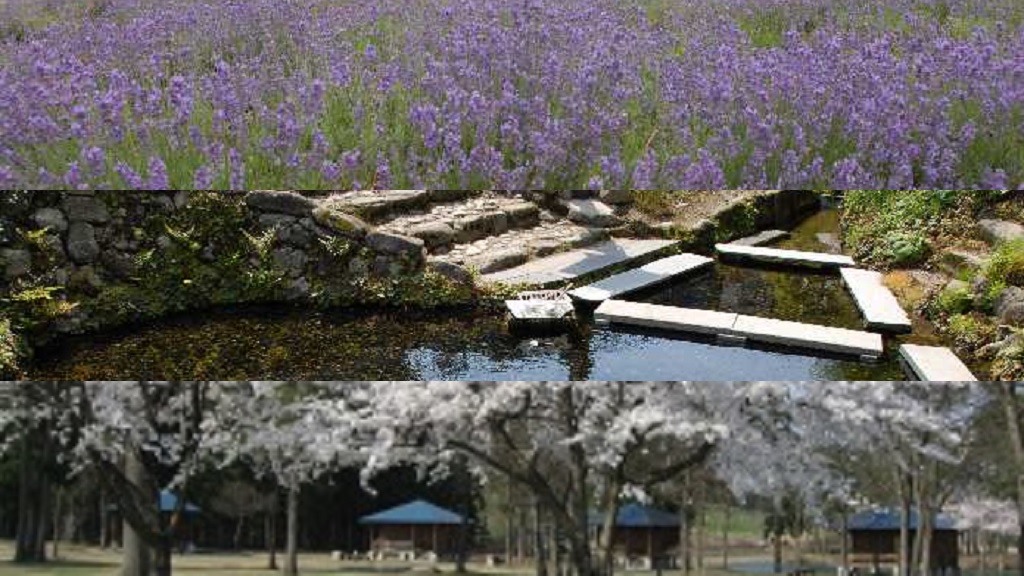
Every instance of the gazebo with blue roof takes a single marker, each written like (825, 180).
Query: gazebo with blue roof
(875, 540)
(407, 530)
(643, 535)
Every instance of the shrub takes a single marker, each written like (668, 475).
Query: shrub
(970, 331)
(957, 301)
(1007, 264)
(8, 350)
(906, 248)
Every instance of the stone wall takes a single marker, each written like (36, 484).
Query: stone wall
(87, 258)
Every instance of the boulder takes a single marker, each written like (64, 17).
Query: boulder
(82, 245)
(16, 263)
(433, 234)
(120, 264)
(87, 280)
(999, 231)
(1009, 306)
(86, 209)
(394, 243)
(290, 203)
(523, 214)
(592, 213)
(50, 218)
(477, 226)
(453, 272)
(291, 261)
(616, 196)
(298, 289)
(340, 222)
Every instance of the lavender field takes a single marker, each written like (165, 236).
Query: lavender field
(511, 93)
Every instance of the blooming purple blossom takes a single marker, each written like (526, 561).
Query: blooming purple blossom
(542, 94)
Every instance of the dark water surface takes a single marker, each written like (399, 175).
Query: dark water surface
(282, 343)
(276, 344)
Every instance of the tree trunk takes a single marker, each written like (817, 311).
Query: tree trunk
(844, 544)
(725, 537)
(606, 541)
(270, 532)
(23, 551)
(57, 524)
(465, 487)
(162, 566)
(777, 553)
(291, 562)
(1013, 424)
(538, 534)
(686, 517)
(905, 483)
(509, 521)
(104, 520)
(136, 553)
(701, 529)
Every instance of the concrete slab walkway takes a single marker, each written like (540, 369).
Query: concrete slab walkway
(935, 364)
(878, 305)
(568, 266)
(643, 277)
(819, 260)
(733, 326)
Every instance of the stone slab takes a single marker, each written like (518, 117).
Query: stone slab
(879, 307)
(785, 257)
(570, 265)
(736, 326)
(665, 317)
(643, 277)
(935, 364)
(811, 336)
(762, 238)
(539, 309)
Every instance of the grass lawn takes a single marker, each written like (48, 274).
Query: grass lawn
(82, 561)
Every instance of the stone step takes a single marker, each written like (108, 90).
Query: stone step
(880, 308)
(648, 275)
(442, 225)
(762, 238)
(493, 254)
(734, 327)
(375, 206)
(935, 364)
(998, 231)
(566, 267)
(798, 258)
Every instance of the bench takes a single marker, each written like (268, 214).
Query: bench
(404, 550)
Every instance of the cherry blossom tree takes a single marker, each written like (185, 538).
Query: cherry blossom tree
(292, 434)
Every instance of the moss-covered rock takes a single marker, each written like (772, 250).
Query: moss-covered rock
(340, 222)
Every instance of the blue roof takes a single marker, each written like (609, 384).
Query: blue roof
(889, 519)
(169, 503)
(418, 512)
(640, 516)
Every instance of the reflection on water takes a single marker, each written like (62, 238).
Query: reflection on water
(785, 294)
(810, 298)
(275, 344)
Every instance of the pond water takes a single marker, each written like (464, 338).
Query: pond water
(785, 294)
(284, 343)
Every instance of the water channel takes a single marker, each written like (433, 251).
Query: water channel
(287, 343)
